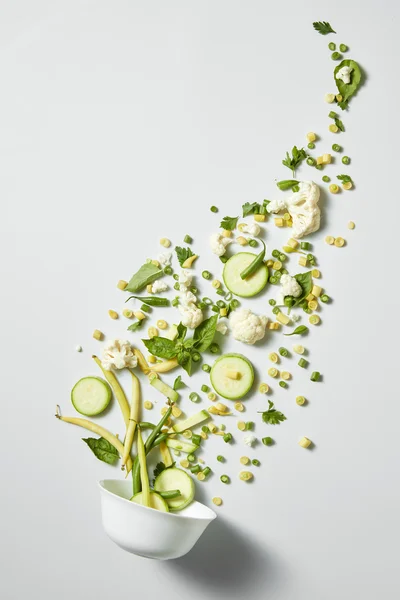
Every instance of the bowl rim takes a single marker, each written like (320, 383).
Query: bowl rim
(176, 515)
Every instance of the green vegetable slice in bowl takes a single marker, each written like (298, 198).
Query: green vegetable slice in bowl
(172, 479)
(91, 396)
(245, 288)
(156, 501)
(232, 376)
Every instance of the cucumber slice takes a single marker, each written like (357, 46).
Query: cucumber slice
(192, 421)
(162, 387)
(156, 501)
(245, 288)
(91, 395)
(232, 389)
(172, 479)
(182, 446)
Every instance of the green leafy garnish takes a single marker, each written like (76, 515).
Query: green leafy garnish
(323, 27)
(298, 331)
(272, 416)
(102, 449)
(253, 208)
(136, 325)
(347, 90)
(229, 223)
(183, 254)
(339, 124)
(178, 383)
(161, 347)
(159, 468)
(151, 300)
(292, 162)
(146, 274)
(204, 334)
(306, 283)
(345, 178)
(287, 184)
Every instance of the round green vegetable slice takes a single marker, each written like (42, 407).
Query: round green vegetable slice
(156, 501)
(91, 395)
(176, 479)
(232, 376)
(245, 288)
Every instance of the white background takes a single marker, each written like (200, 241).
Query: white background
(122, 122)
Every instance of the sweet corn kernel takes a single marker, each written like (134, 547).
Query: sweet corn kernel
(314, 320)
(298, 349)
(277, 266)
(339, 242)
(330, 240)
(272, 372)
(98, 335)
(121, 285)
(303, 261)
(164, 410)
(316, 290)
(151, 359)
(289, 223)
(329, 98)
(245, 475)
(241, 425)
(139, 315)
(286, 375)
(113, 314)
(216, 284)
(176, 411)
(217, 501)
(226, 233)
(333, 128)
(161, 324)
(279, 222)
(127, 313)
(351, 225)
(148, 405)
(242, 240)
(239, 406)
(165, 242)
(311, 137)
(282, 318)
(326, 159)
(260, 218)
(244, 460)
(152, 332)
(313, 305)
(305, 442)
(347, 186)
(273, 357)
(293, 243)
(315, 273)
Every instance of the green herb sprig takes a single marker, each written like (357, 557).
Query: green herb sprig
(272, 416)
(323, 27)
(294, 161)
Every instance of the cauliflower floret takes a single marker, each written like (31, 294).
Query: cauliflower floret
(246, 326)
(191, 315)
(250, 440)
(222, 327)
(344, 74)
(251, 228)
(118, 354)
(219, 243)
(165, 258)
(158, 286)
(302, 207)
(187, 298)
(295, 317)
(289, 287)
(185, 279)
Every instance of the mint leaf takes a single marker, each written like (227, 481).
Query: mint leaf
(323, 27)
(229, 223)
(183, 254)
(103, 450)
(161, 347)
(146, 274)
(204, 334)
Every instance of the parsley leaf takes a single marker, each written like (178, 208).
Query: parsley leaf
(229, 223)
(183, 254)
(345, 178)
(292, 162)
(339, 124)
(272, 416)
(323, 27)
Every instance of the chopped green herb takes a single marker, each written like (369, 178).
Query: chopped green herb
(229, 223)
(323, 27)
(272, 416)
(294, 161)
(183, 254)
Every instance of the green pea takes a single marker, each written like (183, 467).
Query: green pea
(346, 160)
(332, 46)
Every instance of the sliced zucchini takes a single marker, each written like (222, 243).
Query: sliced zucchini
(156, 501)
(221, 378)
(164, 388)
(192, 421)
(250, 286)
(91, 395)
(179, 445)
(171, 479)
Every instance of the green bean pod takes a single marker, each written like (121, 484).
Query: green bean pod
(255, 265)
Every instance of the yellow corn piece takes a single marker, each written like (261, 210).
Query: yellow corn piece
(245, 475)
(282, 318)
(233, 374)
(320, 160)
(98, 335)
(152, 332)
(121, 285)
(217, 500)
(239, 406)
(311, 137)
(269, 262)
(315, 273)
(223, 312)
(212, 427)
(351, 225)
(339, 242)
(161, 324)
(244, 460)
(273, 357)
(165, 242)
(316, 290)
(185, 464)
(326, 159)
(272, 372)
(263, 388)
(260, 218)
(242, 240)
(148, 405)
(298, 349)
(305, 442)
(241, 425)
(293, 243)
(333, 128)
(314, 320)
(279, 222)
(329, 98)
(286, 375)
(303, 261)
(155, 263)
(149, 288)
(189, 261)
(310, 297)
(127, 313)
(277, 266)
(187, 434)
(347, 186)
(139, 315)
(151, 359)
(330, 240)
(176, 412)
(113, 314)
(313, 305)
(339, 97)
(200, 476)
(216, 284)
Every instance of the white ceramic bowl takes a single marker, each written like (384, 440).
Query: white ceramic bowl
(148, 532)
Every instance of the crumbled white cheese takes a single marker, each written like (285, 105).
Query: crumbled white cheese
(118, 354)
(302, 207)
(158, 286)
(219, 243)
(246, 326)
(344, 74)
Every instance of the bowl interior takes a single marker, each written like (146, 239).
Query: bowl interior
(123, 489)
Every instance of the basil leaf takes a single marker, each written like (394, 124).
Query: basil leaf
(306, 283)
(181, 329)
(347, 90)
(185, 360)
(161, 347)
(136, 325)
(146, 274)
(204, 333)
(102, 449)
(298, 331)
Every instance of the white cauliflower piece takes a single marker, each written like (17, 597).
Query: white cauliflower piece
(158, 286)
(246, 326)
(289, 287)
(250, 440)
(118, 354)
(219, 243)
(165, 258)
(191, 315)
(222, 327)
(187, 298)
(185, 279)
(251, 228)
(344, 74)
(302, 207)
